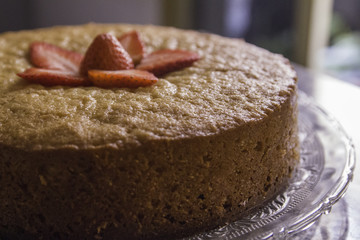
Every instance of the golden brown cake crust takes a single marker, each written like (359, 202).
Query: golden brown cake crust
(233, 83)
(194, 151)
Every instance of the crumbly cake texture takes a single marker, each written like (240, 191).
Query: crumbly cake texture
(187, 154)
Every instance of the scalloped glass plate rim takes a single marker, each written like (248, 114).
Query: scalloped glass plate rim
(339, 188)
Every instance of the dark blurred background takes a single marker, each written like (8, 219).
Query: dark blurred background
(323, 35)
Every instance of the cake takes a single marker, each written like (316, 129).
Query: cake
(188, 154)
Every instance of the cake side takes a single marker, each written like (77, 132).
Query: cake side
(161, 190)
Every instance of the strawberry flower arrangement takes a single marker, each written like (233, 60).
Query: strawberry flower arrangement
(108, 62)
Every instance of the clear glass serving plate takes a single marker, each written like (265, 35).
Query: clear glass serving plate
(326, 169)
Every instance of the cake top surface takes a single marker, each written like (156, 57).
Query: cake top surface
(233, 83)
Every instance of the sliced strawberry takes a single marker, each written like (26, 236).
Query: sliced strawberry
(122, 78)
(106, 53)
(132, 43)
(164, 61)
(52, 77)
(45, 55)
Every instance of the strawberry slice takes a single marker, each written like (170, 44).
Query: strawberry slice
(52, 77)
(132, 43)
(45, 55)
(164, 61)
(122, 78)
(105, 53)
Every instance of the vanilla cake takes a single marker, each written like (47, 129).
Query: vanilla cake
(185, 155)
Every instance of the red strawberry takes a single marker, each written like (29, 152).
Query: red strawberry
(52, 77)
(45, 55)
(123, 78)
(164, 61)
(132, 43)
(105, 53)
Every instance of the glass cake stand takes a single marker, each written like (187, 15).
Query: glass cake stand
(326, 169)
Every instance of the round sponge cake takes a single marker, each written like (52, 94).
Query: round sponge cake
(190, 153)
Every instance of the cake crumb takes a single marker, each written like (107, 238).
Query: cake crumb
(43, 180)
